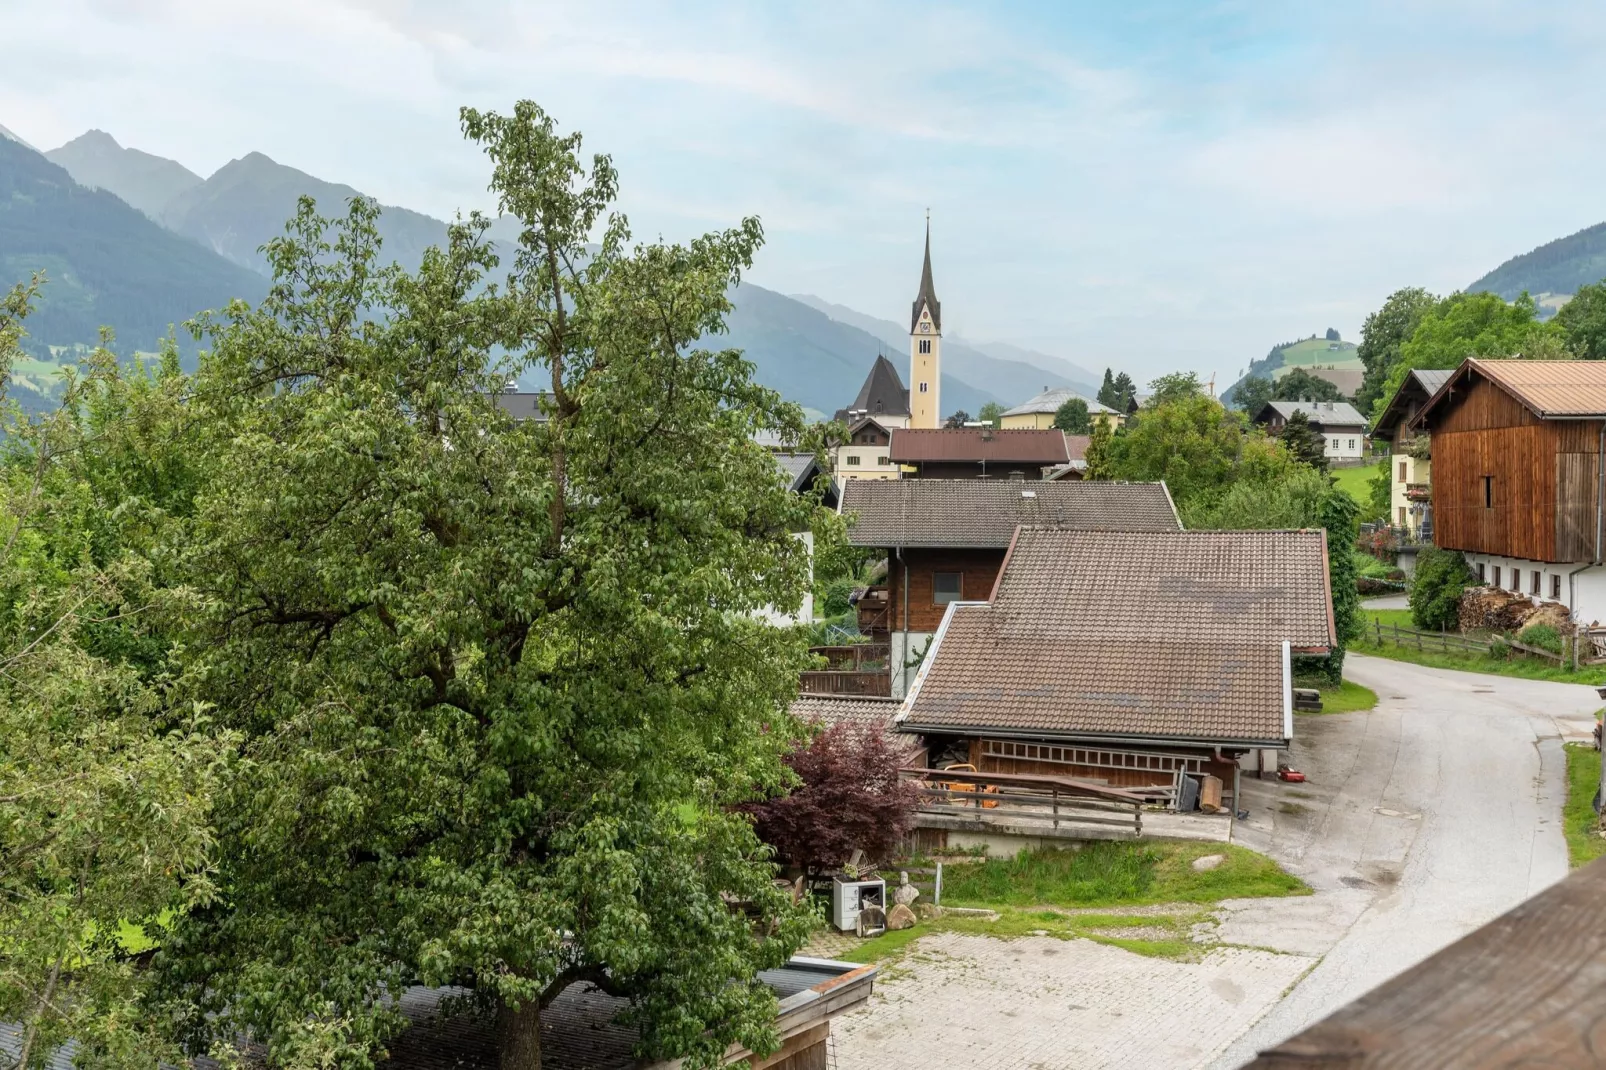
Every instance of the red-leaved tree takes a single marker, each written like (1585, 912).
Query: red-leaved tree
(850, 797)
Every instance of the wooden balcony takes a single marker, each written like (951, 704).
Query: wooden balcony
(1419, 492)
(854, 657)
(875, 612)
(1016, 804)
(860, 684)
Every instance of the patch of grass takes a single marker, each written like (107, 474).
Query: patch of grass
(1171, 932)
(1353, 481)
(1388, 617)
(1579, 823)
(1347, 697)
(1116, 874)
(1518, 666)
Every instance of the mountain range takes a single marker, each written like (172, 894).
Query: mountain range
(137, 242)
(1558, 267)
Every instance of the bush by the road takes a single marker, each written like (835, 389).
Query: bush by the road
(1441, 576)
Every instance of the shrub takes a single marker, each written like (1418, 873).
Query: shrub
(1543, 636)
(849, 796)
(1441, 576)
(834, 600)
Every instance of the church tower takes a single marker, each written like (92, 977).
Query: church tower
(925, 349)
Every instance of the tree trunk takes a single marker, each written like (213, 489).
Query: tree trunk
(519, 1036)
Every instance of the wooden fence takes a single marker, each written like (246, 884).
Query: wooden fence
(861, 684)
(1582, 649)
(1022, 804)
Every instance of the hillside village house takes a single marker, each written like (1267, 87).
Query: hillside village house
(1037, 413)
(1338, 421)
(945, 541)
(977, 453)
(1136, 659)
(1519, 455)
(1410, 476)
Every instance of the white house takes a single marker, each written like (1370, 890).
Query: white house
(1338, 421)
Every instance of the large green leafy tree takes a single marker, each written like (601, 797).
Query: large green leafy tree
(1072, 417)
(1304, 443)
(1584, 320)
(1192, 443)
(991, 413)
(1382, 335)
(1251, 395)
(1339, 514)
(105, 781)
(500, 684)
(1301, 385)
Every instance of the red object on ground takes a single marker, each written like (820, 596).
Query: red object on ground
(1293, 776)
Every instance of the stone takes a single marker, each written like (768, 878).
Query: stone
(900, 917)
(927, 911)
(905, 893)
(1208, 863)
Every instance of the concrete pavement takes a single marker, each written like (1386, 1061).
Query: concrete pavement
(1421, 820)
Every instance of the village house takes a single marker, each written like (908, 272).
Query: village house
(945, 539)
(1146, 662)
(1037, 413)
(1410, 470)
(1518, 448)
(977, 453)
(1338, 421)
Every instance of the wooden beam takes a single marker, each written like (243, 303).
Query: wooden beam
(1526, 990)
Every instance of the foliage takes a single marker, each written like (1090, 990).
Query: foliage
(1109, 874)
(1332, 334)
(1303, 442)
(1471, 325)
(1382, 335)
(482, 667)
(1436, 586)
(849, 796)
(1117, 391)
(1099, 450)
(1379, 490)
(1584, 320)
(1286, 501)
(835, 601)
(1072, 417)
(1580, 823)
(959, 419)
(1252, 393)
(991, 413)
(1337, 513)
(1541, 635)
(105, 782)
(1301, 385)
(1177, 386)
(1192, 443)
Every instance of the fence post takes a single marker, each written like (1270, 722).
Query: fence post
(1378, 624)
(936, 892)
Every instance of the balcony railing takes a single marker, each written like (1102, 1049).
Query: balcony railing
(1025, 805)
(860, 684)
(1418, 492)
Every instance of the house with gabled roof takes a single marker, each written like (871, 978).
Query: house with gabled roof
(978, 453)
(1133, 659)
(883, 398)
(1519, 458)
(1410, 470)
(1038, 411)
(1343, 428)
(945, 540)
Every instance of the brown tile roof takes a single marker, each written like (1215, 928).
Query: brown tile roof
(911, 445)
(832, 710)
(979, 513)
(1136, 634)
(1553, 389)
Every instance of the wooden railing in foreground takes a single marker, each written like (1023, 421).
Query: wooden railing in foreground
(859, 684)
(1588, 648)
(1024, 804)
(854, 657)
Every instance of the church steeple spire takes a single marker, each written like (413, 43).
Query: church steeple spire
(928, 294)
(925, 348)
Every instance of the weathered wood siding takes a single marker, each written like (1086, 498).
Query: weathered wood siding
(1506, 482)
(978, 569)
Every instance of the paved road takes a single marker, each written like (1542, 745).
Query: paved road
(1421, 821)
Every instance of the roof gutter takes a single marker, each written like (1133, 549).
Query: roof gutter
(1288, 693)
(1089, 737)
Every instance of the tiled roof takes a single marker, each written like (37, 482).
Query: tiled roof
(911, 445)
(1320, 413)
(883, 393)
(832, 710)
(980, 513)
(798, 467)
(1051, 400)
(1153, 635)
(1551, 388)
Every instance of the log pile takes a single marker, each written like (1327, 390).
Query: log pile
(1493, 609)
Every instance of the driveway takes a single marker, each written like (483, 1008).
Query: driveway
(1421, 820)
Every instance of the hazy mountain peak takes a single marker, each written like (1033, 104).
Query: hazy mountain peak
(8, 135)
(147, 182)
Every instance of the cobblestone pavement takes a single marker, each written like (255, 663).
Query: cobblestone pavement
(1041, 1003)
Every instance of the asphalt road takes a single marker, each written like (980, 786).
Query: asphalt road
(1420, 821)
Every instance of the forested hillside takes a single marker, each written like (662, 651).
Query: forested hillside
(106, 263)
(1557, 267)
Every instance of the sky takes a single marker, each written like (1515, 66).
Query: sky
(1149, 185)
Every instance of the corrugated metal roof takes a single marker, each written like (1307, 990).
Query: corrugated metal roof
(1320, 413)
(1156, 635)
(911, 445)
(983, 513)
(1051, 400)
(1551, 388)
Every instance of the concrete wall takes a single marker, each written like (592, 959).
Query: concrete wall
(904, 646)
(1402, 512)
(1582, 589)
(1345, 445)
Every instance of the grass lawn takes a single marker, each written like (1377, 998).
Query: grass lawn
(1049, 893)
(1579, 823)
(1353, 481)
(1521, 666)
(1348, 697)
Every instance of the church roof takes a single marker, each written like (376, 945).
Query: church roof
(883, 393)
(927, 294)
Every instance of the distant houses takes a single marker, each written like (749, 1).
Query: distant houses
(1038, 412)
(1410, 469)
(1343, 428)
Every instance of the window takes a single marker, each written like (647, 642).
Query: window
(1497, 582)
(945, 587)
(1402, 472)
(1481, 577)
(1335, 444)
(1533, 582)
(1351, 444)
(1488, 498)
(1516, 580)
(853, 459)
(1555, 586)
(924, 387)
(1402, 516)
(884, 459)
(925, 345)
